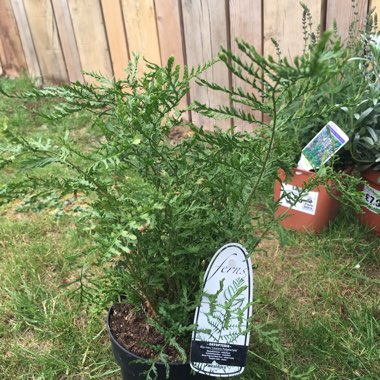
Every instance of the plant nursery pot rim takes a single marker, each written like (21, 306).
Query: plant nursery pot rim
(325, 208)
(126, 350)
(294, 172)
(297, 171)
(372, 176)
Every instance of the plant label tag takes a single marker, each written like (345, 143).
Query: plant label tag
(307, 203)
(322, 147)
(220, 341)
(371, 198)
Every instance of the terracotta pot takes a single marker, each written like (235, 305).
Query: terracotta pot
(134, 367)
(315, 211)
(371, 193)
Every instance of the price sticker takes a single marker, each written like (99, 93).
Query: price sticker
(372, 199)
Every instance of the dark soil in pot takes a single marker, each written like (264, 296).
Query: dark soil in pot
(132, 341)
(131, 331)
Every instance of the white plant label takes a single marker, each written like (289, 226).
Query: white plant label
(322, 147)
(372, 198)
(219, 344)
(307, 203)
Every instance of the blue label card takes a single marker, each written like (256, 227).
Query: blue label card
(219, 344)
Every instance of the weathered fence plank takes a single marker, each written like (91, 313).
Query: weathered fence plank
(168, 15)
(283, 22)
(246, 23)
(141, 29)
(375, 4)
(344, 13)
(57, 39)
(117, 42)
(1, 58)
(2, 55)
(169, 30)
(205, 26)
(26, 39)
(67, 39)
(46, 42)
(12, 56)
(91, 38)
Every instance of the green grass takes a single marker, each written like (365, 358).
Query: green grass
(324, 307)
(44, 335)
(44, 332)
(317, 310)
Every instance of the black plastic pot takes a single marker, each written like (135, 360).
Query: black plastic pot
(133, 367)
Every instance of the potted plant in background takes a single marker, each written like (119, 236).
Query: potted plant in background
(340, 97)
(366, 152)
(158, 211)
(319, 206)
(337, 101)
(365, 147)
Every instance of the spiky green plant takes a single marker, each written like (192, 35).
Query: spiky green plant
(366, 145)
(365, 148)
(158, 211)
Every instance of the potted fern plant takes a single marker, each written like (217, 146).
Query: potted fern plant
(157, 211)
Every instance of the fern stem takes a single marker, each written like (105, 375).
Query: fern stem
(266, 159)
(90, 178)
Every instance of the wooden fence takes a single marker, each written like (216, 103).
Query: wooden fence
(55, 40)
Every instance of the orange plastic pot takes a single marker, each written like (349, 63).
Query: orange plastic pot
(313, 213)
(371, 193)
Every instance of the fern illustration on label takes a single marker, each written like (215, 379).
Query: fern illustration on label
(220, 342)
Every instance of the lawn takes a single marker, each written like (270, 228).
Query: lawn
(317, 298)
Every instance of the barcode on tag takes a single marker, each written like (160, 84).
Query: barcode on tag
(307, 204)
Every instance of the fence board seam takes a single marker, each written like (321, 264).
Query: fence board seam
(184, 53)
(26, 39)
(116, 36)
(60, 41)
(107, 37)
(70, 47)
(158, 33)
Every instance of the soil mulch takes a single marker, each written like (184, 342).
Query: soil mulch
(131, 331)
(177, 134)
